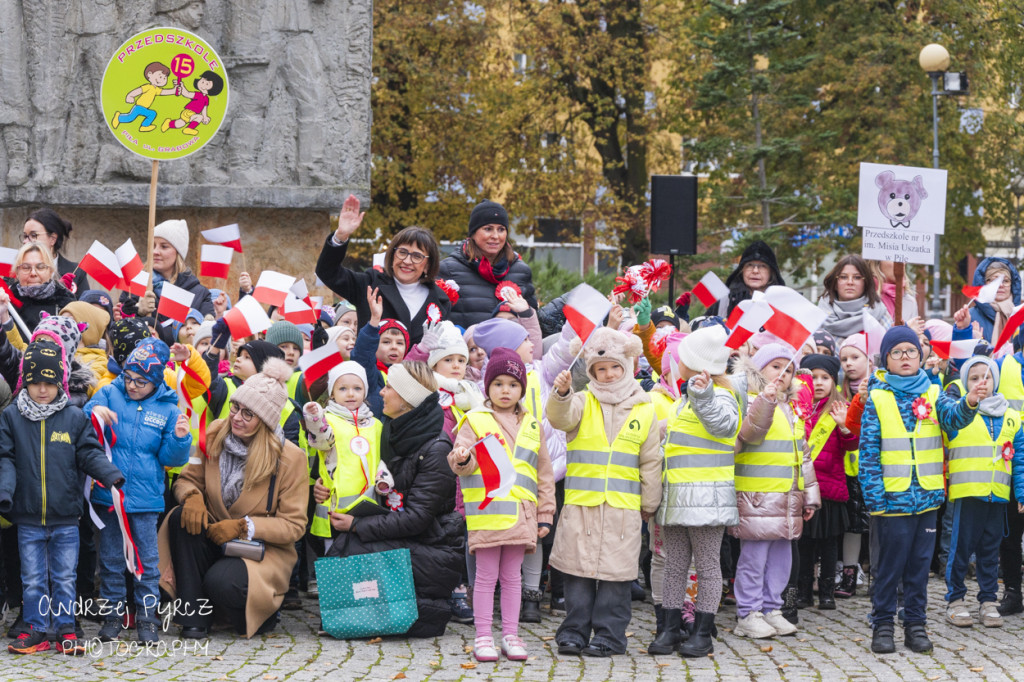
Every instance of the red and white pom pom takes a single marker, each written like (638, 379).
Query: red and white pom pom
(659, 340)
(633, 283)
(450, 287)
(1007, 451)
(655, 272)
(433, 313)
(922, 408)
(504, 291)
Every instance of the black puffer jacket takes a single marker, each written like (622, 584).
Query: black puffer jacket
(351, 286)
(415, 448)
(32, 308)
(476, 295)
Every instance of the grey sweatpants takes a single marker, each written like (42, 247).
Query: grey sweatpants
(703, 544)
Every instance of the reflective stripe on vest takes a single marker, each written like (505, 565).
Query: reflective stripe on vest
(293, 384)
(692, 455)
(976, 464)
(598, 471)
(502, 513)
(348, 483)
(903, 452)
(1010, 383)
(533, 399)
(772, 466)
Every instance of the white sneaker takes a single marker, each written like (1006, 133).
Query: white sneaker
(779, 622)
(753, 626)
(513, 648)
(484, 651)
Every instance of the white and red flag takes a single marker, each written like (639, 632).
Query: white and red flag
(273, 287)
(795, 318)
(317, 363)
(7, 257)
(496, 468)
(954, 350)
(130, 262)
(585, 309)
(246, 318)
(137, 285)
(985, 293)
(101, 264)
(228, 235)
(752, 316)
(873, 333)
(175, 302)
(1014, 322)
(215, 260)
(710, 289)
(298, 311)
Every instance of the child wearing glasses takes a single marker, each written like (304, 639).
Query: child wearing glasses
(146, 433)
(901, 473)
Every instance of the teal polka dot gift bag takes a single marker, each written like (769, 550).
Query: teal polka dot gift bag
(367, 595)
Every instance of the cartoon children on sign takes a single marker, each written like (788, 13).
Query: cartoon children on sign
(142, 98)
(195, 112)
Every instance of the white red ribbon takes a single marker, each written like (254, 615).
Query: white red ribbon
(131, 553)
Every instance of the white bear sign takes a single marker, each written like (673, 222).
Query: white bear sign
(902, 198)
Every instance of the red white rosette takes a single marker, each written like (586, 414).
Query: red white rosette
(450, 287)
(505, 290)
(922, 409)
(433, 313)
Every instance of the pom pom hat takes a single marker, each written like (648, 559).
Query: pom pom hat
(266, 393)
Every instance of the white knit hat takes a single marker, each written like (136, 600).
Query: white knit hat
(705, 349)
(175, 232)
(450, 342)
(347, 367)
(405, 384)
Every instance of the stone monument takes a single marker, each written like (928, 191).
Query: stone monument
(294, 144)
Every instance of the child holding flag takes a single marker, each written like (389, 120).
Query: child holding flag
(509, 498)
(612, 485)
(149, 433)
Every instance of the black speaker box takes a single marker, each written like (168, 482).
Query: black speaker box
(674, 214)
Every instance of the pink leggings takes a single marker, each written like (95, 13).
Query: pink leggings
(492, 564)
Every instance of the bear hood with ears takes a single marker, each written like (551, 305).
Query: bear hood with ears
(609, 344)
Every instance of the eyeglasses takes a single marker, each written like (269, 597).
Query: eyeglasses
(29, 267)
(755, 266)
(32, 237)
(406, 254)
(247, 414)
(909, 354)
(131, 381)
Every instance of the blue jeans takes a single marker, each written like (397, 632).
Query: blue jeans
(148, 115)
(112, 565)
(977, 530)
(49, 559)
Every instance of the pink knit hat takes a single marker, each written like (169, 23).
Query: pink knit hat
(857, 341)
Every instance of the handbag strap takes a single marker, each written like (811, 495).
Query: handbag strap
(270, 489)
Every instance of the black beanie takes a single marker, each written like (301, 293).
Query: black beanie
(43, 362)
(487, 213)
(759, 251)
(260, 352)
(828, 363)
(125, 334)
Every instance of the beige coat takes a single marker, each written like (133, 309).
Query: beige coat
(530, 514)
(603, 542)
(268, 579)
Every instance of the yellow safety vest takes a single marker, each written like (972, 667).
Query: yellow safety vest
(599, 471)
(348, 484)
(663, 405)
(976, 464)
(772, 466)
(959, 384)
(692, 455)
(502, 512)
(903, 452)
(293, 384)
(533, 401)
(1010, 384)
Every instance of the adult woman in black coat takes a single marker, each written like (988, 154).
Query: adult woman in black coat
(406, 286)
(48, 228)
(415, 448)
(483, 261)
(757, 270)
(36, 286)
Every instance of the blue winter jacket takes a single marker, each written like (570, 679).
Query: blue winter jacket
(145, 443)
(365, 353)
(953, 415)
(983, 313)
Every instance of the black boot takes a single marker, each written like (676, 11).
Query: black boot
(826, 594)
(848, 583)
(659, 620)
(530, 610)
(916, 639)
(805, 593)
(882, 639)
(671, 635)
(1011, 602)
(701, 642)
(789, 605)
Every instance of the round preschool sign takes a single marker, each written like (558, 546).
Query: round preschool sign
(165, 93)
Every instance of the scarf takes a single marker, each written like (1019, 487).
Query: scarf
(363, 417)
(232, 469)
(917, 384)
(404, 436)
(39, 292)
(382, 367)
(994, 406)
(493, 273)
(622, 390)
(35, 412)
(846, 317)
(1002, 311)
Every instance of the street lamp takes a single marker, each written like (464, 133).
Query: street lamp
(1017, 187)
(934, 59)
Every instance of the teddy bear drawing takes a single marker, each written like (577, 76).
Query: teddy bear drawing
(899, 200)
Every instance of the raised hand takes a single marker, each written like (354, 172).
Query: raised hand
(962, 318)
(563, 382)
(180, 352)
(181, 426)
(349, 219)
(701, 381)
(770, 391)
(245, 282)
(516, 302)
(838, 411)
(376, 305)
(979, 391)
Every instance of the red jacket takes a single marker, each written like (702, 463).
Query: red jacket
(828, 467)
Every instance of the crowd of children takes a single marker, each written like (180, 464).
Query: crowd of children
(777, 473)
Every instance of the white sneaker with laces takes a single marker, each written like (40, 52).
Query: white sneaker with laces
(753, 625)
(778, 621)
(484, 651)
(513, 648)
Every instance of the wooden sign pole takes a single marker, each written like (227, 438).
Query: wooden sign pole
(152, 221)
(899, 272)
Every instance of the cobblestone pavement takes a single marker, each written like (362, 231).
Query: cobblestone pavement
(831, 645)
